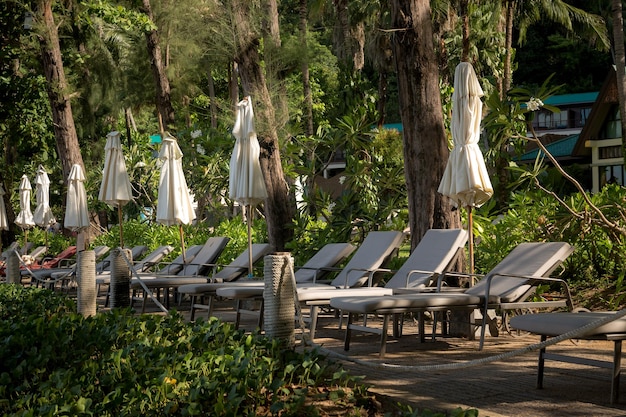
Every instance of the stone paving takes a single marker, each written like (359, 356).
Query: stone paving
(500, 388)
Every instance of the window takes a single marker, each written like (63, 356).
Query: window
(613, 174)
(613, 125)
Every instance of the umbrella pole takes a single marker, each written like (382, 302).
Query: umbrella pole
(182, 242)
(470, 230)
(249, 221)
(119, 216)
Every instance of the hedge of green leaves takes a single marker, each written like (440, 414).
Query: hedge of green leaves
(54, 362)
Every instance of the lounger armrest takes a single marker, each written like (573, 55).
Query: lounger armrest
(317, 270)
(433, 274)
(446, 274)
(370, 274)
(322, 269)
(532, 280)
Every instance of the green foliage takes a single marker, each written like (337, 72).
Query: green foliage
(56, 362)
(534, 216)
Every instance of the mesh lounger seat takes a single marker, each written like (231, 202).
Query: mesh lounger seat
(506, 286)
(198, 262)
(315, 268)
(201, 293)
(148, 261)
(554, 324)
(376, 249)
(437, 249)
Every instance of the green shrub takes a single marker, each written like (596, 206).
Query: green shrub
(55, 362)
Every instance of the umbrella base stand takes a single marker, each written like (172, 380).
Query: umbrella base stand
(14, 276)
(86, 278)
(120, 278)
(278, 294)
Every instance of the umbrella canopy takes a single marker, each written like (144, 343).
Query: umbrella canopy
(465, 179)
(174, 205)
(25, 218)
(43, 216)
(76, 211)
(246, 184)
(115, 188)
(4, 223)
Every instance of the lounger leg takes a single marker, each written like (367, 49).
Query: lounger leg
(313, 324)
(617, 368)
(346, 341)
(261, 312)
(541, 364)
(192, 313)
(238, 313)
(396, 326)
(420, 326)
(145, 300)
(383, 336)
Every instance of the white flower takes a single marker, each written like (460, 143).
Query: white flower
(331, 206)
(200, 149)
(534, 104)
(196, 134)
(342, 179)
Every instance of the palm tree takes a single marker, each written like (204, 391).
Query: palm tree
(529, 12)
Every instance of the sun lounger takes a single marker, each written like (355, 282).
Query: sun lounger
(196, 265)
(437, 249)
(506, 286)
(325, 260)
(44, 276)
(201, 293)
(145, 264)
(555, 324)
(377, 248)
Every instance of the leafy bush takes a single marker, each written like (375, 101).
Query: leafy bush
(55, 362)
(534, 216)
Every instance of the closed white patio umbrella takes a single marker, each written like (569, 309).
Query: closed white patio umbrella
(465, 179)
(115, 188)
(43, 216)
(76, 211)
(246, 183)
(25, 217)
(174, 205)
(4, 222)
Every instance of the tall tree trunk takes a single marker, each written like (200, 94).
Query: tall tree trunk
(213, 105)
(620, 66)
(306, 80)
(464, 8)
(233, 83)
(309, 129)
(425, 145)
(509, 9)
(341, 36)
(58, 94)
(274, 74)
(279, 209)
(161, 82)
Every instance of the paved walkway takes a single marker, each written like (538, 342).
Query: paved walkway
(501, 388)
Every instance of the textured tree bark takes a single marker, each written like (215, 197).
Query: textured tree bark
(279, 209)
(58, 94)
(425, 145)
(161, 82)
